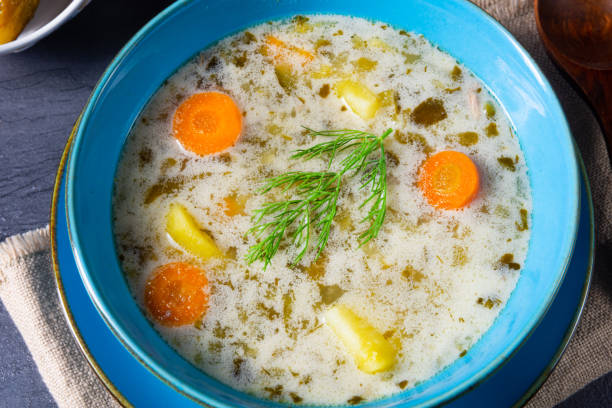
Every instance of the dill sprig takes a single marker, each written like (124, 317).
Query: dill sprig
(317, 194)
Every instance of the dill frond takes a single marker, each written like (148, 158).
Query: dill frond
(318, 192)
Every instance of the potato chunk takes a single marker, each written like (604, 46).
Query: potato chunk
(371, 351)
(359, 98)
(14, 15)
(184, 230)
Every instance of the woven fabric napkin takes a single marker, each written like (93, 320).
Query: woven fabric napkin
(27, 285)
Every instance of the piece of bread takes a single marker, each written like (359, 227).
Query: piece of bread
(14, 15)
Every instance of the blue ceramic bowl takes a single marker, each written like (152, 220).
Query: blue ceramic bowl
(457, 27)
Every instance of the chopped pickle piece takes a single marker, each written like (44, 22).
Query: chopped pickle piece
(489, 109)
(358, 42)
(14, 15)
(364, 64)
(359, 98)
(387, 98)
(508, 260)
(371, 351)
(316, 270)
(165, 186)
(412, 274)
(285, 76)
(489, 302)
(322, 42)
(460, 257)
(330, 293)
(295, 397)
(240, 60)
(456, 73)
(324, 91)
(415, 139)
(184, 230)
(410, 58)
(491, 130)
(378, 43)
(355, 400)
(402, 384)
(524, 225)
(429, 112)
(507, 163)
(468, 138)
(302, 25)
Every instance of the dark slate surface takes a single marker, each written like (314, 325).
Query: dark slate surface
(42, 91)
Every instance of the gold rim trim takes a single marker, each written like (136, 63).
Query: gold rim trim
(60, 287)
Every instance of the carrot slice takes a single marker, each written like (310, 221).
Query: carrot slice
(207, 122)
(281, 52)
(449, 180)
(177, 294)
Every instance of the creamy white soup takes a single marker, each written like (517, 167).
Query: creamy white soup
(363, 320)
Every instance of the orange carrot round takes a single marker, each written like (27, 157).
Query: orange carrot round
(177, 294)
(449, 180)
(207, 122)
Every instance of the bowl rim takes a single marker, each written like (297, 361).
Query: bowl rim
(28, 40)
(194, 394)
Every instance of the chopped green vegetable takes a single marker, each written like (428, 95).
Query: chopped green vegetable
(412, 274)
(324, 91)
(330, 293)
(410, 58)
(508, 260)
(355, 400)
(468, 138)
(364, 64)
(413, 139)
(491, 130)
(296, 398)
(524, 225)
(286, 78)
(489, 109)
(489, 303)
(429, 112)
(456, 73)
(507, 163)
(240, 59)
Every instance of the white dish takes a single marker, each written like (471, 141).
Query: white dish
(49, 16)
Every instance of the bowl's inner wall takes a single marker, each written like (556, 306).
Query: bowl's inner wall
(460, 29)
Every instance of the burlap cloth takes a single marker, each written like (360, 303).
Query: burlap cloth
(28, 291)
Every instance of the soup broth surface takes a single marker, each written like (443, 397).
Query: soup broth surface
(432, 281)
